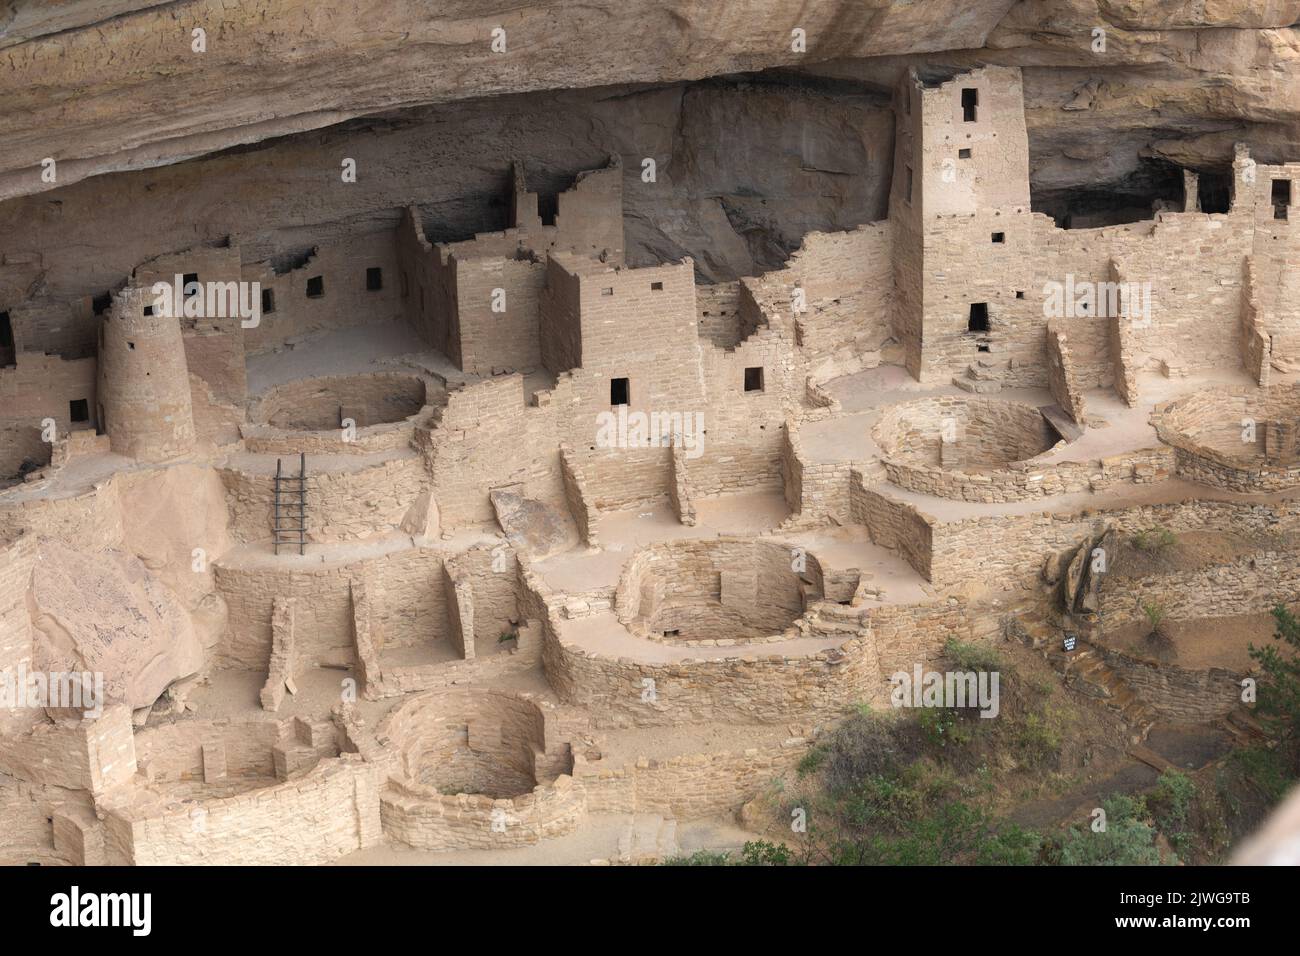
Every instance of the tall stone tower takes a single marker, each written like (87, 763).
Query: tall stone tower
(963, 230)
(144, 384)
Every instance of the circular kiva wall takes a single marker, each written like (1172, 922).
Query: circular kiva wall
(972, 449)
(475, 769)
(1236, 437)
(723, 591)
(318, 404)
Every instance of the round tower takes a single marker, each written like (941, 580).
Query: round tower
(144, 382)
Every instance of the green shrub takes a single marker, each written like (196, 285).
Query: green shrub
(1037, 741)
(967, 656)
(1012, 846)
(1279, 684)
(1173, 797)
(762, 853)
(1266, 769)
(1155, 614)
(811, 762)
(701, 858)
(753, 853)
(881, 802)
(944, 728)
(865, 745)
(955, 834)
(1154, 540)
(1128, 839)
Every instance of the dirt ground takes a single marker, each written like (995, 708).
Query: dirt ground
(1207, 642)
(1190, 551)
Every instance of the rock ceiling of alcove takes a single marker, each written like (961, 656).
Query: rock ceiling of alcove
(106, 85)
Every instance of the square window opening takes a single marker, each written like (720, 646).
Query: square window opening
(979, 317)
(609, 291)
(1281, 197)
(970, 98)
(999, 237)
(620, 391)
(1214, 191)
(548, 208)
(79, 410)
(963, 154)
(754, 379)
(315, 287)
(374, 279)
(268, 301)
(656, 287)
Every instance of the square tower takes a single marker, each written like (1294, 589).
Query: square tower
(961, 215)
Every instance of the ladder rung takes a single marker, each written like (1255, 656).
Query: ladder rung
(283, 528)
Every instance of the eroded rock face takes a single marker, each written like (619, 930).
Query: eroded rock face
(744, 169)
(83, 82)
(104, 612)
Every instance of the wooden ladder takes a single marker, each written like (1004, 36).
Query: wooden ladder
(290, 516)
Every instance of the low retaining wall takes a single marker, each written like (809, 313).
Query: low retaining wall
(1031, 479)
(1178, 694)
(330, 811)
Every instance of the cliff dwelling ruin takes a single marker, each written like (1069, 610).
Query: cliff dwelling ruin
(564, 468)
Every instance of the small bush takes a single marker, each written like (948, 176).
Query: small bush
(966, 656)
(866, 745)
(1154, 540)
(762, 853)
(1128, 839)
(1266, 769)
(1155, 614)
(1173, 798)
(1279, 685)
(944, 728)
(700, 858)
(955, 834)
(881, 802)
(1038, 742)
(753, 853)
(811, 762)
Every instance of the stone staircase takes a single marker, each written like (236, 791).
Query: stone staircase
(981, 376)
(1083, 670)
(596, 601)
